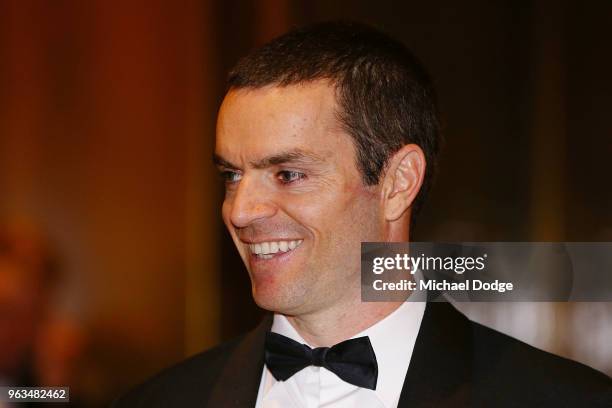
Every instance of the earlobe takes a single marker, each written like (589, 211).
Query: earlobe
(403, 180)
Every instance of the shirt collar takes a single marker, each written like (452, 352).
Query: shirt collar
(392, 339)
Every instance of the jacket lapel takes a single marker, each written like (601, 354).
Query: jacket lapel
(439, 373)
(441, 366)
(238, 383)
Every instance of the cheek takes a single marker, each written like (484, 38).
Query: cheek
(226, 209)
(313, 209)
(336, 213)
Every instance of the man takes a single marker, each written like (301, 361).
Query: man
(328, 137)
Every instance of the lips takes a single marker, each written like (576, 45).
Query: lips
(267, 249)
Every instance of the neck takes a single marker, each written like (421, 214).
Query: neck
(331, 326)
(342, 321)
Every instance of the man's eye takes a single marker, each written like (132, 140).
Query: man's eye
(288, 176)
(231, 176)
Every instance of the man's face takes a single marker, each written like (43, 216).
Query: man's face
(295, 203)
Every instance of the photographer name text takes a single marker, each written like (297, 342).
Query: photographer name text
(443, 285)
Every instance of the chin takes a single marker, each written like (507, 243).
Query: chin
(274, 299)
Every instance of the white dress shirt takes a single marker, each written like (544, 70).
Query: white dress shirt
(393, 341)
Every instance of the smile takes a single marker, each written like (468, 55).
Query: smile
(267, 250)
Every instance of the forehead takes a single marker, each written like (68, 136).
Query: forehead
(253, 123)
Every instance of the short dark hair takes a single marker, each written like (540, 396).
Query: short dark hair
(386, 97)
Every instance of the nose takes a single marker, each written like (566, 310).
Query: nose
(251, 201)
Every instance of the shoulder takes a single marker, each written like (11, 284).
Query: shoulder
(184, 384)
(510, 366)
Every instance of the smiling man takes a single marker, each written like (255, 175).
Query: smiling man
(328, 137)
(293, 195)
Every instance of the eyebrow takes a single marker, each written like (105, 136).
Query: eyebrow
(296, 156)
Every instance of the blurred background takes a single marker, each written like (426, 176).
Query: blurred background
(113, 259)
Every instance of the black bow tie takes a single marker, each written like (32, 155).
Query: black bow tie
(352, 360)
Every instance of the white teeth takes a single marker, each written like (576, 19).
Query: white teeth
(266, 250)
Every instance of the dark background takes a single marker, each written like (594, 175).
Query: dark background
(107, 114)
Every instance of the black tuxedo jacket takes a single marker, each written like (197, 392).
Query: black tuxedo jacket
(455, 363)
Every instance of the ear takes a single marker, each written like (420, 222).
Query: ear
(402, 181)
